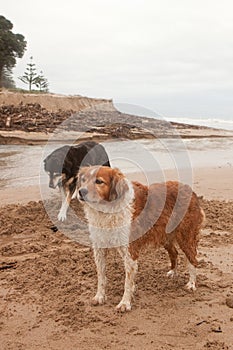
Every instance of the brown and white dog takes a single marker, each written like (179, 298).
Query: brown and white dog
(128, 216)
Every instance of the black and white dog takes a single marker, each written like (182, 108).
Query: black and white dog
(63, 164)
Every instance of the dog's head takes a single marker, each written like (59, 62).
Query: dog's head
(101, 185)
(56, 165)
(52, 166)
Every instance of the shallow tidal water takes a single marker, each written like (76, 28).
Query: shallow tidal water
(22, 165)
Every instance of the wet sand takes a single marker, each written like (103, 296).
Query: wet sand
(210, 182)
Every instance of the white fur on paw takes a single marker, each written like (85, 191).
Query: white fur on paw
(61, 216)
(171, 273)
(98, 300)
(191, 286)
(124, 306)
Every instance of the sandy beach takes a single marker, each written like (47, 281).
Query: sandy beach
(48, 279)
(48, 276)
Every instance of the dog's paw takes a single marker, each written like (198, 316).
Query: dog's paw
(61, 216)
(98, 300)
(171, 273)
(124, 306)
(191, 286)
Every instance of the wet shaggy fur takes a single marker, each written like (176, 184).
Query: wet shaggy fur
(129, 216)
(63, 164)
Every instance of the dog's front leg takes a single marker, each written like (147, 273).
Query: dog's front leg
(131, 268)
(66, 198)
(100, 255)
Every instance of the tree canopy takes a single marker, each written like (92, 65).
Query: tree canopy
(7, 78)
(12, 46)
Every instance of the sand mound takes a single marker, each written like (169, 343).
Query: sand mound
(47, 281)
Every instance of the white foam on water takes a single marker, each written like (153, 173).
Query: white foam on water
(217, 123)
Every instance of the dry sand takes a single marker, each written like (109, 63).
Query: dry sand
(47, 281)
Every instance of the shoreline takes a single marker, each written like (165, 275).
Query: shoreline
(213, 183)
(17, 137)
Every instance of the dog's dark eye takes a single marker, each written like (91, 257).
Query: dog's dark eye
(82, 178)
(99, 182)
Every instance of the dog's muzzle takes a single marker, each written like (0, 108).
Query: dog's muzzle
(55, 181)
(82, 193)
(51, 184)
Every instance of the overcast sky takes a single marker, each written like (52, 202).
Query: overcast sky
(172, 56)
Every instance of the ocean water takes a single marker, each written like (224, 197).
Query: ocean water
(218, 123)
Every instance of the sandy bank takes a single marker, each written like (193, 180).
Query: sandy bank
(33, 119)
(52, 102)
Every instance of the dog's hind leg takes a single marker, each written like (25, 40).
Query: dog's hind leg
(100, 256)
(189, 247)
(191, 285)
(131, 268)
(172, 251)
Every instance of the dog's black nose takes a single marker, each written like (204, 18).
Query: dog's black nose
(51, 185)
(82, 192)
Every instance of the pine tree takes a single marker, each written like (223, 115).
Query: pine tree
(41, 82)
(30, 76)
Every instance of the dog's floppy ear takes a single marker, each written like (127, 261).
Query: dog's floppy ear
(119, 185)
(79, 174)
